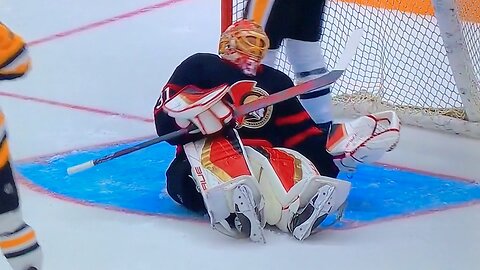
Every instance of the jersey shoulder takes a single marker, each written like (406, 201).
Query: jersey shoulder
(201, 59)
(193, 69)
(282, 80)
(198, 63)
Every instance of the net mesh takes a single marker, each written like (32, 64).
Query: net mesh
(401, 64)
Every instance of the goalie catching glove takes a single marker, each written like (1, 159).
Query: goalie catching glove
(204, 108)
(363, 140)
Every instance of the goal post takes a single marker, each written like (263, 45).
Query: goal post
(420, 58)
(448, 16)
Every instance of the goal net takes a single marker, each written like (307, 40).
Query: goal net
(420, 58)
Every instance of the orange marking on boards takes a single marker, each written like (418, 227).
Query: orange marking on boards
(422, 7)
(259, 11)
(18, 241)
(467, 10)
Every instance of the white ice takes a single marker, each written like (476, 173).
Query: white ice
(120, 67)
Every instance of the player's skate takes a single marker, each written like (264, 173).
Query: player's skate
(249, 219)
(313, 214)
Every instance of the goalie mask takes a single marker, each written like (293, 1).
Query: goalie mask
(245, 44)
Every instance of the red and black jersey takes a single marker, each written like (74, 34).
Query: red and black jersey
(285, 124)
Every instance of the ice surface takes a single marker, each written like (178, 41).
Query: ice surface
(102, 82)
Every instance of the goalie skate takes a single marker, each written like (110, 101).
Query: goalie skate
(313, 214)
(246, 210)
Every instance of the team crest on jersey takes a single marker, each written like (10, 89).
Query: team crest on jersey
(244, 92)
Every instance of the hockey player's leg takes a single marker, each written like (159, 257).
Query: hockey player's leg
(308, 63)
(363, 140)
(18, 242)
(306, 56)
(297, 198)
(230, 192)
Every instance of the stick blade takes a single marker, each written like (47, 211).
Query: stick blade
(350, 49)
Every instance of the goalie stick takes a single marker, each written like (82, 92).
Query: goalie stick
(320, 82)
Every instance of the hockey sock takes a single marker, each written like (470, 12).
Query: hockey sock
(19, 243)
(308, 63)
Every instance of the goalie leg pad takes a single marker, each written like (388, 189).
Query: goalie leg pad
(289, 195)
(221, 170)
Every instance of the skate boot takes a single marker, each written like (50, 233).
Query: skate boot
(313, 214)
(249, 213)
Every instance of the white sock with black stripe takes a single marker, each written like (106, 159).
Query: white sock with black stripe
(18, 242)
(308, 63)
(318, 104)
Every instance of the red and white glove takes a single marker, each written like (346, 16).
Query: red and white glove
(204, 108)
(363, 140)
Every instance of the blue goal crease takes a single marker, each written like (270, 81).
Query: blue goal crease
(136, 183)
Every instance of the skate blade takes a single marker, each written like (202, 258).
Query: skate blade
(321, 209)
(245, 210)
